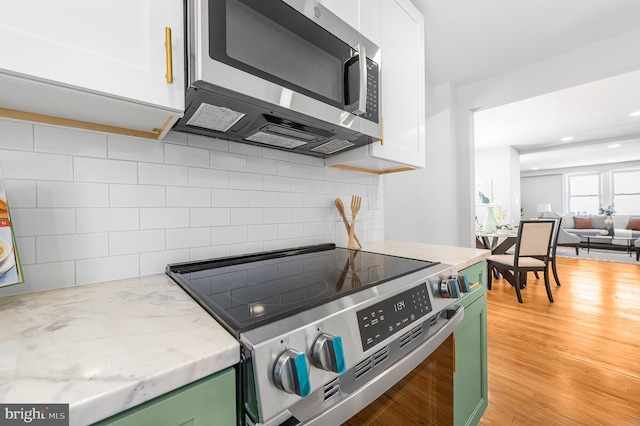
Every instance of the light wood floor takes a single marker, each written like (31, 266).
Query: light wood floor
(572, 362)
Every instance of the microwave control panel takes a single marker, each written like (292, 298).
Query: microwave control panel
(372, 92)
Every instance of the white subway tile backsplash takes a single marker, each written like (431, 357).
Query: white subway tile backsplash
(135, 149)
(43, 276)
(36, 166)
(285, 168)
(276, 154)
(16, 135)
(262, 232)
(277, 183)
(248, 216)
(137, 196)
(305, 159)
(199, 253)
(229, 198)
(229, 235)
(26, 250)
(290, 230)
(87, 215)
(245, 149)
(186, 155)
(206, 178)
(107, 171)
(277, 215)
(62, 140)
(20, 193)
(207, 143)
(107, 269)
(72, 194)
(263, 166)
(263, 199)
(320, 187)
(302, 185)
(163, 218)
(290, 199)
(156, 262)
(246, 248)
(188, 197)
(107, 220)
(32, 222)
(238, 180)
(186, 238)
(312, 172)
(71, 247)
(210, 217)
(228, 161)
(162, 174)
(131, 242)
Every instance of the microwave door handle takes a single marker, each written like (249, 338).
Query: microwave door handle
(362, 97)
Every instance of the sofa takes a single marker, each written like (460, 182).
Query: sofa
(578, 226)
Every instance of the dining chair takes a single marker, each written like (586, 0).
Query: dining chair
(554, 248)
(532, 253)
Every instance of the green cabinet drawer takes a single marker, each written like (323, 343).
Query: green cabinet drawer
(209, 401)
(470, 380)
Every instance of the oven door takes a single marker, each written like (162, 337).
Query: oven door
(418, 389)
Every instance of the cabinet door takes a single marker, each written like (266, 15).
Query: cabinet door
(112, 47)
(348, 11)
(210, 401)
(470, 386)
(403, 84)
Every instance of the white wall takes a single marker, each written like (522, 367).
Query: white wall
(502, 166)
(542, 189)
(90, 207)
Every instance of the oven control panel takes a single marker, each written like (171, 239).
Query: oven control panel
(380, 321)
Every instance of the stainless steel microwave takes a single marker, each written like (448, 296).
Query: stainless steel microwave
(285, 74)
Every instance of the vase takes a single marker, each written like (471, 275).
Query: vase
(608, 224)
(490, 223)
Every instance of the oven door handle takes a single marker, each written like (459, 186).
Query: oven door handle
(350, 405)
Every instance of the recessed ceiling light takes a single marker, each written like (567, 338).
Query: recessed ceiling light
(535, 168)
(615, 145)
(568, 138)
(635, 114)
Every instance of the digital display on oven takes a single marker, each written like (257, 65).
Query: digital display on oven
(379, 321)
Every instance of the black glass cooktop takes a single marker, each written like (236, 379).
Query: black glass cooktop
(244, 292)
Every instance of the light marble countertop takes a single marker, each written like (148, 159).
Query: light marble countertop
(104, 348)
(460, 257)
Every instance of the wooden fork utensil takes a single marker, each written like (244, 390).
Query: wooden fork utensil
(355, 208)
(341, 210)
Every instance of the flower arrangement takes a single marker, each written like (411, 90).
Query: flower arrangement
(499, 211)
(607, 211)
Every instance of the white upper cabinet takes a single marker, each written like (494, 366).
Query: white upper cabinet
(399, 28)
(105, 62)
(347, 10)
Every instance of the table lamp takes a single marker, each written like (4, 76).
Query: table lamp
(543, 208)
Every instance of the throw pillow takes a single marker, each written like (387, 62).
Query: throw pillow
(597, 221)
(634, 223)
(567, 221)
(582, 222)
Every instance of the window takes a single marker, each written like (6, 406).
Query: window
(626, 192)
(584, 193)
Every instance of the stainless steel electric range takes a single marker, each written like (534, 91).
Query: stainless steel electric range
(323, 330)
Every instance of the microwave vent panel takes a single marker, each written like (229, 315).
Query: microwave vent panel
(214, 117)
(274, 139)
(332, 146)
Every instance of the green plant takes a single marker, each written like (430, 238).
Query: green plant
(607, 211)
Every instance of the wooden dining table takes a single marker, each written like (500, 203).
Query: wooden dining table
(497, 242)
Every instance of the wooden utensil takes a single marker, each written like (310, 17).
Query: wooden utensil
(340, 207)
(355, 208)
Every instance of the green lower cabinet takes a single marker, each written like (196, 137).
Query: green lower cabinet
(209, 401)
(470, 378)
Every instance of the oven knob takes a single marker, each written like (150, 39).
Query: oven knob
(291, 373)
(449, 288)
(328, 353)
